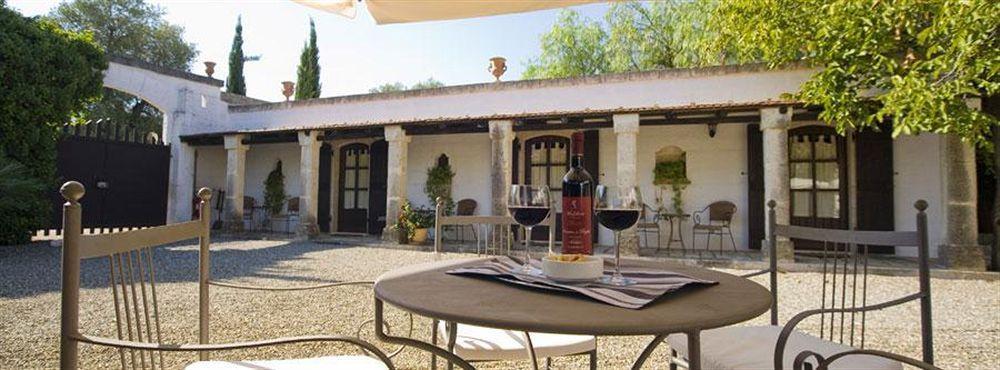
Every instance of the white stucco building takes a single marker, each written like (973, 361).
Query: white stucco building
(351, 159)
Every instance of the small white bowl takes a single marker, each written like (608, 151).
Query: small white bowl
(589, 269)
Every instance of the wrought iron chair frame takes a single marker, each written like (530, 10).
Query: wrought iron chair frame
(842, 258)
(77, 247)
(644, 228)
(710, 228)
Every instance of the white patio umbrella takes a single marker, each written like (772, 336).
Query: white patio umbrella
(405, 11)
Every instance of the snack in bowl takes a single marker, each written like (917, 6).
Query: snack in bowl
(572, 267)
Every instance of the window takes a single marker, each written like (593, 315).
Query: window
(815, 173)
(355, 172)
(548, 161)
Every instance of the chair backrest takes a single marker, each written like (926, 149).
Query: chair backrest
(844, 258)
(132, 277)
(466, 207)
(721, 211)
(493, 232)
(293, 205)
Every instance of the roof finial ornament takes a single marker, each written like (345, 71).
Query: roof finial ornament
(498, 65)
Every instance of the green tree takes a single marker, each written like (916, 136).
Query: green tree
(48, 74)
(274, 190)
(133, 29)
(308, 86)
(429, 83)
(911, 62)
(235, 83)
(634, 36)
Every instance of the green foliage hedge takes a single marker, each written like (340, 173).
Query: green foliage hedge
(48, 74)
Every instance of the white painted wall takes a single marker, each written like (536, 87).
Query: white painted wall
(917, 162)
(210, 168)
(469, 156)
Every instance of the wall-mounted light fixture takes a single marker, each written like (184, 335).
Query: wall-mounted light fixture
(712, 128)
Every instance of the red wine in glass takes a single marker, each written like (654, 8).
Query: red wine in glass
(618, 219)
(529, 216)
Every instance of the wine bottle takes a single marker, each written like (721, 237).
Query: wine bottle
(577, 203)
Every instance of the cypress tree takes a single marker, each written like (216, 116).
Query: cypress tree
(235, 83)
(308, 86)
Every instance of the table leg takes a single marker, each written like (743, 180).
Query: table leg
(383, 336)
(694, 350)
(531, 351)
(648, 351)
(452, 338)
(434, 341)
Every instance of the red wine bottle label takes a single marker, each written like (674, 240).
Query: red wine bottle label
(577, 224)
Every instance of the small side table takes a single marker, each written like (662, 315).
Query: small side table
(671, 219)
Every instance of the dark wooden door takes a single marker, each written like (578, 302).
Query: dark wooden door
(377, 192)
(126, 182)
(756, 215)
(352, 213)
(325, 185)
(591, 162)
(546, 164)
(817, 167)
(873, 155)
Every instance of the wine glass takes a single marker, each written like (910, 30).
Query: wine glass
(617, 209)
(530, 205)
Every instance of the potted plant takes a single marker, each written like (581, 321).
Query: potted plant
(438, 184)
(404, 225)
(274, 193)
(423, 219)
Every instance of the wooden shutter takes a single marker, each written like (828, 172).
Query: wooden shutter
(756, 214)
(516, 166)
(873, 158)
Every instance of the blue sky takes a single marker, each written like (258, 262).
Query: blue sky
(355, 54)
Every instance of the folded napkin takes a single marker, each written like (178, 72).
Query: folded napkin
(650, 283)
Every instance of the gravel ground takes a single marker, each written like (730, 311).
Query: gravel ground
(966, 312)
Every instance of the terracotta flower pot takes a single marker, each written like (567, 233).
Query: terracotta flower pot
(419, 236)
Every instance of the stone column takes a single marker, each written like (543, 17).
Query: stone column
(626, 130)
(501, 139)
(396, 180)
(774, 123)
(236, 159)
(961, 249)
(309, 180)
(180, 190)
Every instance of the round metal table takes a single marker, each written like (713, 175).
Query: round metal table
(426, 290)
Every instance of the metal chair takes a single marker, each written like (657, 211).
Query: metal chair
(249, 210)
(716, 219)
(477, 343)
(843, 306)
(137, 316)
(649, 223)
(466, 207)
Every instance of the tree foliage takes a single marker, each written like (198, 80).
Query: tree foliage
(235, 83)
(133, 29)
(429, 83)
(308, 86)
(633, 36)
(48, 74)
(913, 62)
(274, 190)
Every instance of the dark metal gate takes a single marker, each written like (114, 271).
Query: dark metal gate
(126, 175)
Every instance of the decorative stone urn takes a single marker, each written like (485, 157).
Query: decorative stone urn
(209, 68)
(287, 89)
(498, 65)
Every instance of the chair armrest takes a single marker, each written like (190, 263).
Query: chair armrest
(824, 363)
(289, 288)
(118, 343)
(755, 273)
(696, 215)
(786, 331)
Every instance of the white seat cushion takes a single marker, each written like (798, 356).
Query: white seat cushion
(752, 347)
(316, 363)
(477, 343)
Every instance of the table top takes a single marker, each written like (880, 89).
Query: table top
(426, 290)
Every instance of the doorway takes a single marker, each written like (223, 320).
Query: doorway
(352, 209)
(817, 168)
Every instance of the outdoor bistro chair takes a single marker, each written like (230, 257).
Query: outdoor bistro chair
(649, 223)
(249, 209)
(137, 316)
(291, 213)
(843, 303)
(477, 343)
(466, 207)
(719, 221)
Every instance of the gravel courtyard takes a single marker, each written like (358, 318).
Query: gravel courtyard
(966, 312)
